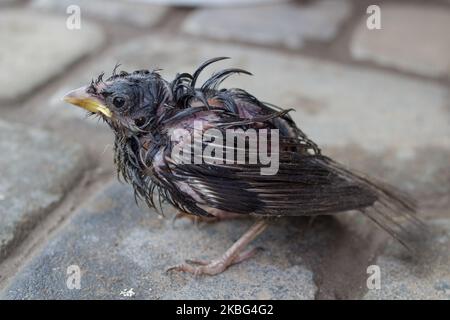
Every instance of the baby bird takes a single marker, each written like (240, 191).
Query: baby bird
(160, 126)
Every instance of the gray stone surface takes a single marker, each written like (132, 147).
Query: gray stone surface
(413, 38)
(118, 11)
(403, 279)
(36, 169)
(36, 47)
(7, 2)
(120, 247)
(319, 20)
(210, 3)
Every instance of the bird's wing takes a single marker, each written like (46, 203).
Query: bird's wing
(305, 185)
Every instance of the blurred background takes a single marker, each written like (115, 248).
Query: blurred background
(369, 82)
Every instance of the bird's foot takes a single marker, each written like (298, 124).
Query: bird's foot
(213, 267)
(232, 256)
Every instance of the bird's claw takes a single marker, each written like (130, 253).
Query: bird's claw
(202, 267)
(198, 268)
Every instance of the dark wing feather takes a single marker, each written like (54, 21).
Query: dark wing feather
(305, 185)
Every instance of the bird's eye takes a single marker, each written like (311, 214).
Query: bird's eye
(140, 121)
(118, 102)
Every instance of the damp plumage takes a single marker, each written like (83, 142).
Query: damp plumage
(144, 110)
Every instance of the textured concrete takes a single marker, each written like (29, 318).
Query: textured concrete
(7, 2)
(318, 21)
(37, 47)
(403, 279)
(412, 38)
(211, 3)
(119, 246)
(37, 169)
(119, 11)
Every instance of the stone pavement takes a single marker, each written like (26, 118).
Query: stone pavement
(428, 26)
(33, 181)
(375, 100)
(407, 280)
(319, 21)
(35, 49)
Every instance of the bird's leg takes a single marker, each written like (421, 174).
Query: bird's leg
(232, 256)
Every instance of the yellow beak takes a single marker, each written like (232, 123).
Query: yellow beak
(81, 98)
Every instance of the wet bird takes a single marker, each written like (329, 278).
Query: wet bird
(145, 112)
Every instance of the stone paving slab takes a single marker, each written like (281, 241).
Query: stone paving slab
(319, 21)
(336, 105)
(413, 38)
(120, 247)
(7, 2)
(210, 3)
(36, 169)
(119, 11)
(402, 279)
(36, 47)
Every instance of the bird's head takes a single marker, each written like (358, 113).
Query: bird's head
(128, 102)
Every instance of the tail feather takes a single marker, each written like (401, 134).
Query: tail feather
(393, 211)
